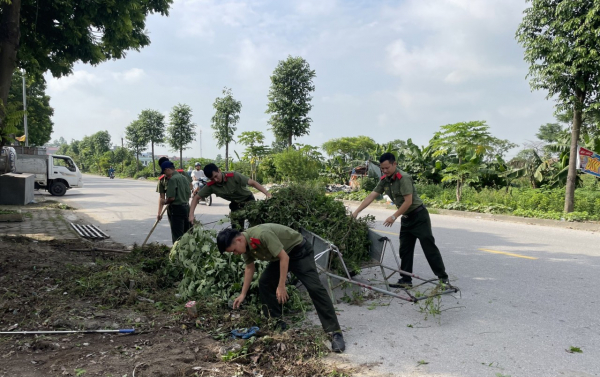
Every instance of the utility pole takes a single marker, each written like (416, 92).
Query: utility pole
(123, 160)
(25, 111)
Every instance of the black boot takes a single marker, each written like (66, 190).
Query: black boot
(337, 343)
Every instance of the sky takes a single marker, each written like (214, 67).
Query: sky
(385, 69)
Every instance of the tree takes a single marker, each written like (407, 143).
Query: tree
(289, 99)
(549, 132)
(349, 148)
(181, 131)
(42, 36)
(137, 140)
(561, 46)
(255, 150)
(39, 112)
(227, 115)
(298, 165)
(467, 142)
(153, 126)
(58, 142)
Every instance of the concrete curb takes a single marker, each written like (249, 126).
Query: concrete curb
(588, 226)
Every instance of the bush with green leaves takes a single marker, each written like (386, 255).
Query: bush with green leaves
(307, 206)
(207, 272)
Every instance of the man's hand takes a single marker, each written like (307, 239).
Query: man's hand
(389, 221)
(282, 295)
(159, 217)
(354, 214)
(192, 218)
(268, 195)
(238, 301)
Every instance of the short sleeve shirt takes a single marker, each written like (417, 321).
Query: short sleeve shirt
(198, 174)
(396, 187)
(179, 188)
(265, 242)
(233, 187)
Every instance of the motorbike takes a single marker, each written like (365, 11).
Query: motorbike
(111, 175)
(198, 186)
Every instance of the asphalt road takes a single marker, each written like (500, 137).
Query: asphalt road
(528, 293)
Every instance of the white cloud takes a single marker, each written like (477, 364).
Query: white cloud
(130, 76)
(78, 79)
(315, 7)
(200, 18)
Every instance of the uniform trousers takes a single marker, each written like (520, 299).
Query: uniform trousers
(418, 227)
(179, 220)
(302, 265)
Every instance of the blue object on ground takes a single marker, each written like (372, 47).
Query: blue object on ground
(244, 333)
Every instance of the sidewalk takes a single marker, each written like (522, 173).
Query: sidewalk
(42, 221)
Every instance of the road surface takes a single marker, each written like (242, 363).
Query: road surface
(528, 293)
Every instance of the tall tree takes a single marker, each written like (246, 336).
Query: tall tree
(52, 35)
(39, 112)
(549, 132)
(227, 115)
(290, 99)
(137, 140)
(153, 126)
(350, 148)
(468, 142)
(561, 44)
(181, 131)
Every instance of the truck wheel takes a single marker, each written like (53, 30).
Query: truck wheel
(58, 189)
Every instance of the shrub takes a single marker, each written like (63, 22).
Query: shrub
(306, 206)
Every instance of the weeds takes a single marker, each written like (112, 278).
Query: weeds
(574, 350)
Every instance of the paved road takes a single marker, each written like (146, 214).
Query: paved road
(528, 293)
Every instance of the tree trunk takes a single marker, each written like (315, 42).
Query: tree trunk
(137, 162)
(153, 164)
(572, 175)
(227, 157)
(181, 158)
(458, 190)
(10, 34)
(290, 141)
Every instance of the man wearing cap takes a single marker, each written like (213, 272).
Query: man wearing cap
(161, 187)
(415, 222)
(230, 186)
(177, 197)
(286, 250)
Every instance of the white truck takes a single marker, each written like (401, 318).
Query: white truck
(54, 173)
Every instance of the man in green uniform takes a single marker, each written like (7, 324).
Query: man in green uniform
(286, 249)
(161, 188)
(177, 197)
(415, 222)
(230, 186)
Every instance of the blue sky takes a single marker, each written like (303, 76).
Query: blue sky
(386, 69)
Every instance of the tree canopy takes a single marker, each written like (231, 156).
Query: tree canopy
(227, 115)
(290, 99)
(42, 36)
(351, 148)
(153, 127)
(181, 131)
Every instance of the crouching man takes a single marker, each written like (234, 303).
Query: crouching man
(287, 250)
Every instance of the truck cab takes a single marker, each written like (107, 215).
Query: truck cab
(63, 174)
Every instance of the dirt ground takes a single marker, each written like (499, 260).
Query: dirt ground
(47, 286)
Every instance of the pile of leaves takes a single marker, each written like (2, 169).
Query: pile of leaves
(307, 206)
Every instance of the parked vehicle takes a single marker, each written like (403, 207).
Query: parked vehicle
(197, 186)
(54, 173)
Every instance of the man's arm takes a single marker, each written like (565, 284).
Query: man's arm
(284, 262)
(365, 203)
(161, 205)
(248, 275)
(195, 201)
(401, 211)
(259, 187)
